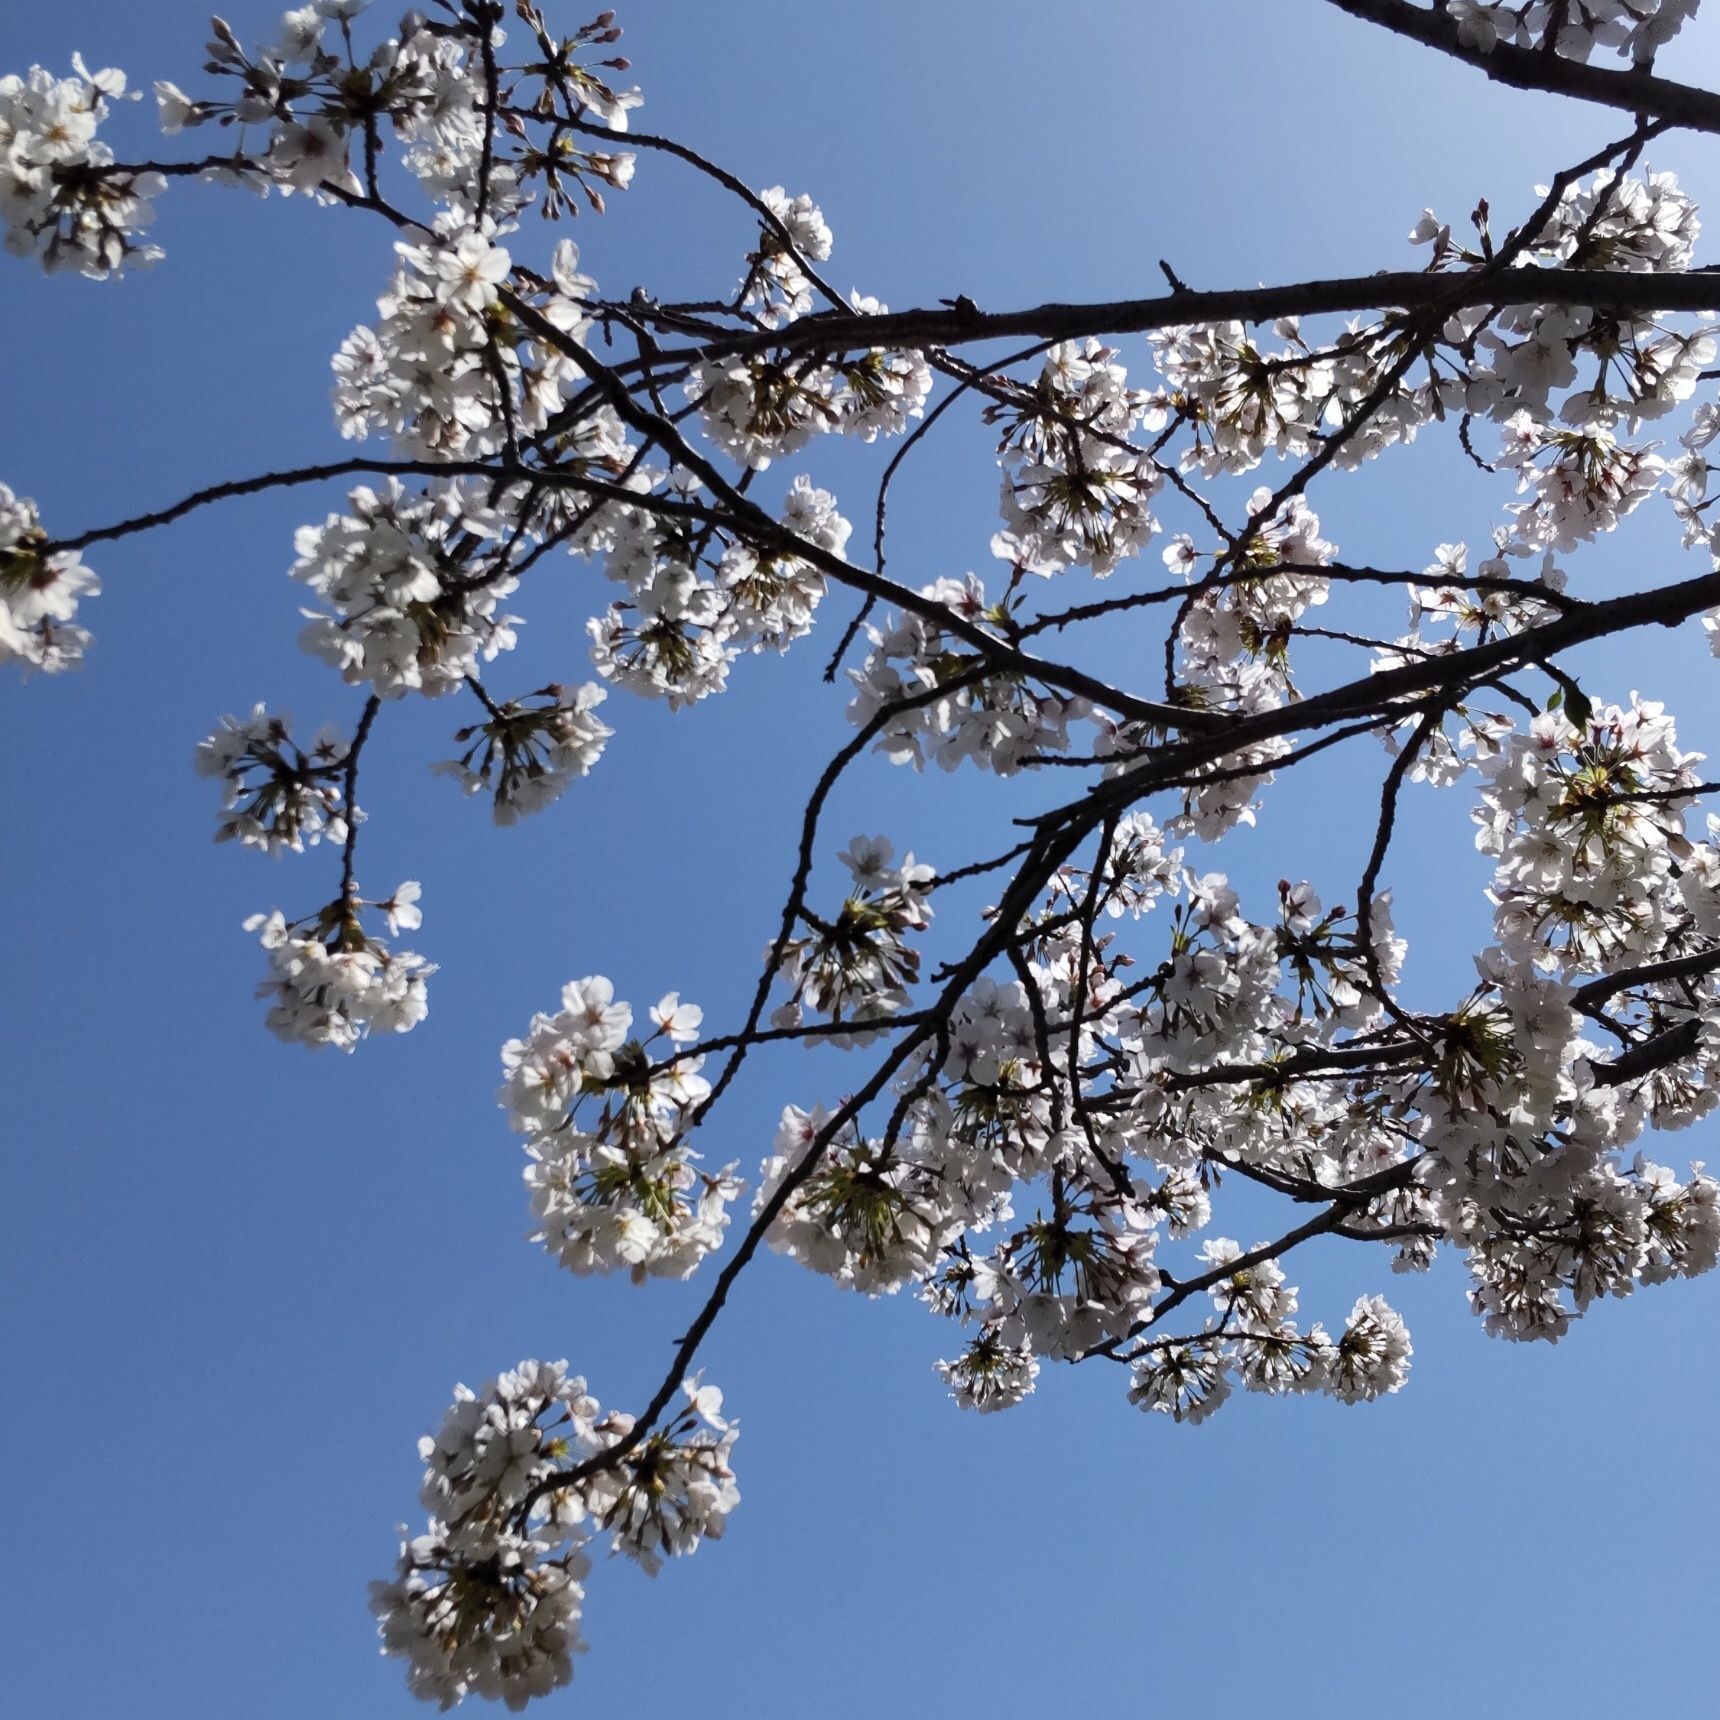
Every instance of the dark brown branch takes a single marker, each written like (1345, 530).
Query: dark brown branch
(1345, 1203)
(1665, 606)
(1403, 290)
(279, 481)
(349, 789)
(1636, 91)
(1597, 991)
(1670, 1046)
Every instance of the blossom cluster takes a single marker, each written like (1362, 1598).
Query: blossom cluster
(332, 982)
(1239, 402)
(317, 104)
(277, 796)
(940, 699)
(694, 607)
(858, 966)
(1573, 29)
(934, 1204)
(40, 589)
(1588, 869)
(613, 1183)
(1236, 634)
(401, 611)
(1188, 1378)
(446, 372)
(528, 753)
(487, 1600)
(757, 409)
(1513, 1144)
(62, 197)
(795, 235)
(1076, 492)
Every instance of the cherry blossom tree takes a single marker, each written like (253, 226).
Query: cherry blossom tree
(1054, 1090)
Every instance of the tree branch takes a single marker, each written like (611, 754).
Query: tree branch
(1403, 289)
(1636, 92)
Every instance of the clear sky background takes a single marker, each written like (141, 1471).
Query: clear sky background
(240, 1279)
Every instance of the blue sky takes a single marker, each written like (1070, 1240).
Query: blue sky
(241, 1279)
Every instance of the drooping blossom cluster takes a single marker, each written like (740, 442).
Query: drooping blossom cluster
(613, 1182)
(1187, 1380)
(40, 589)
(694, 606)
(795, 236)
(1588, 873)
(277, 796)
(531, 749)
(318, 108)
(443, 372)
(62, 198)
(332, 982)
(1239, 402)
(487, 1600)
(1581, 482)
(402, 613)
(1076, 492)
(938, 697)
(858, 966)
(1236, 634)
